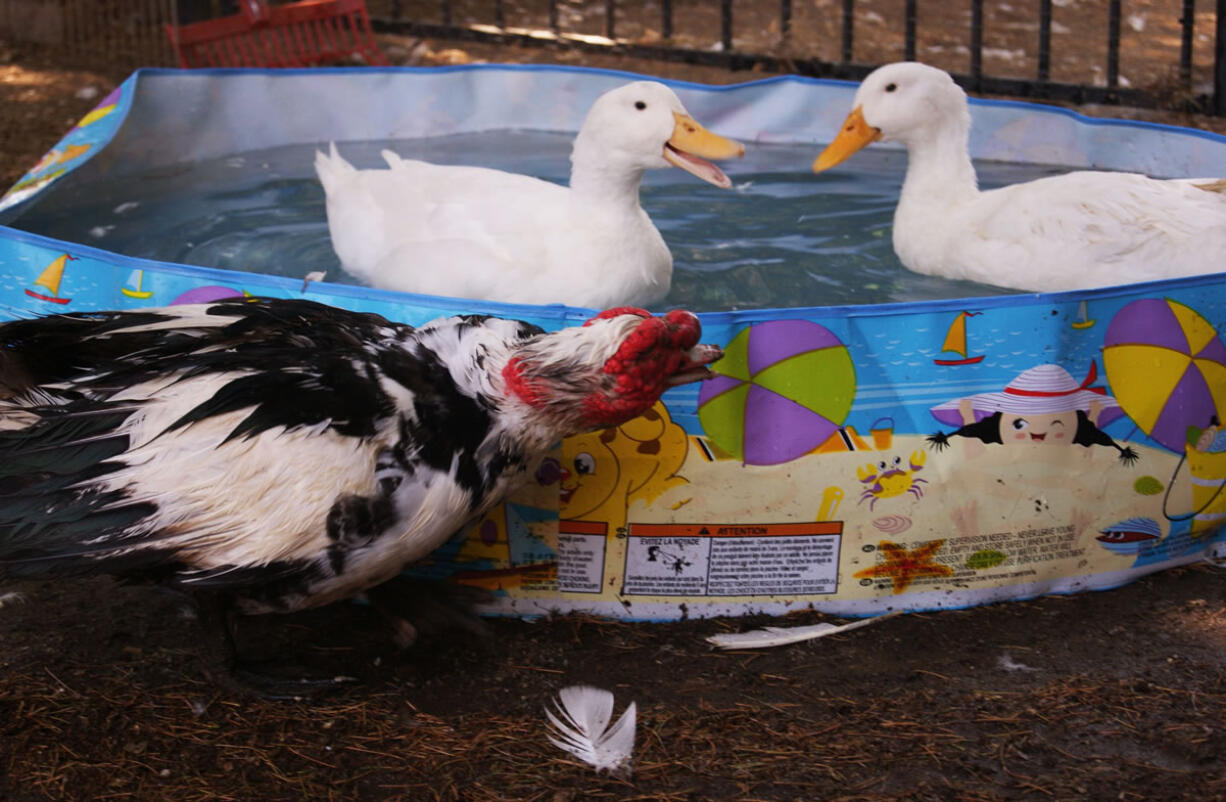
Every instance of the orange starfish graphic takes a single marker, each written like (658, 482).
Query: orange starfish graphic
(905, 566)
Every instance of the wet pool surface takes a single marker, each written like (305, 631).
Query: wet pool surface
(781, 237)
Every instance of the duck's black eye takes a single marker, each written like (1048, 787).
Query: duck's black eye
(640, 105)
(891, 87)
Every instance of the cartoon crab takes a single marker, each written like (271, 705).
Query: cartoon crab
(887, 479)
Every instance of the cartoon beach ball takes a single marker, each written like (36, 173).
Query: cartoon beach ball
(206, 295)
(1167, 368)
(781, 390)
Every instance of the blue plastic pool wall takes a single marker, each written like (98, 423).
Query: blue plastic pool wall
(804, 475)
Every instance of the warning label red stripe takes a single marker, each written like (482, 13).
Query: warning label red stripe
(737, 530)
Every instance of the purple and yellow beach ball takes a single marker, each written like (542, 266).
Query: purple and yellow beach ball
(206, 295)
(782, 389)
(1167, 367)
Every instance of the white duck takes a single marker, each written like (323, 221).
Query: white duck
(474, 232)
(1072, 231)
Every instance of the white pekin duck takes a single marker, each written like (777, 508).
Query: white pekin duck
(1073, 231)
(474, 232)
(274, 455)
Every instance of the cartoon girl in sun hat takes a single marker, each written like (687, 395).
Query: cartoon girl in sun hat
(1044, 405)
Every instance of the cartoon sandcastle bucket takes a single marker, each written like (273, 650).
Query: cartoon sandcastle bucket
(882, 432)
(1207, 470)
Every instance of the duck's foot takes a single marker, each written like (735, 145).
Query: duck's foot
(246, 680)
(249, 678)
(415, 607)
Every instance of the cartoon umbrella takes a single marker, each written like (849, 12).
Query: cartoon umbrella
(782, 388)
(1167, 368)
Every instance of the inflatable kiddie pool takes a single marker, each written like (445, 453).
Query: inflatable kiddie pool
(853, 459)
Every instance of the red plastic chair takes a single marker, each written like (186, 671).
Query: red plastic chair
(298, 34)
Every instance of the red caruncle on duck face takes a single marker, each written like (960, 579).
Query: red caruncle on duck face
(658, 354)
(611, 369)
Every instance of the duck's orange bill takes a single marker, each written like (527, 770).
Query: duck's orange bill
(691, 145)
(855, 134)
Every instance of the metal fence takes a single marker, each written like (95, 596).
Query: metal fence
(1149, 53)
(120, 33)
(1174, 52)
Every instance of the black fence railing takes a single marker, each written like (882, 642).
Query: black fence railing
(116, 33)
(1191, 78)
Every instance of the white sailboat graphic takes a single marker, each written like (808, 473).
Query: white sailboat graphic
(133, 288)
(1082, 321)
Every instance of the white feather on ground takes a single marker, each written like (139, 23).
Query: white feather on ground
(1006, 662)
(781, 636)
(11, 598)
(582, 728)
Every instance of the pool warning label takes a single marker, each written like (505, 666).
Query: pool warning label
(581, 547)
(732, 559)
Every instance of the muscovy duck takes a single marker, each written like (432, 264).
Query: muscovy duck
(272, 455)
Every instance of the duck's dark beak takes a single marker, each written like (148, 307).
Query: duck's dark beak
(694, 368)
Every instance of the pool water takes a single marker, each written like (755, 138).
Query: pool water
(781, 237)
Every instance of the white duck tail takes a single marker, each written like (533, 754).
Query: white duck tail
(331, 168)
(360, 216)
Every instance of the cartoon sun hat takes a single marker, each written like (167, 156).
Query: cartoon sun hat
(1040, 390)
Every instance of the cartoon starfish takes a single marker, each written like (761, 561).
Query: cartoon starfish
(904, 566)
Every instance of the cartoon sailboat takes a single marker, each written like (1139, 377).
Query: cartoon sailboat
(955, 343)
(50, 280)
(132, 288)
(1082, 322)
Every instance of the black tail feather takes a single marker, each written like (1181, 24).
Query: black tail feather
(52, 519)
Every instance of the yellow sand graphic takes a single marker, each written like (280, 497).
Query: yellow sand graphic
(990, 517)
(1035, 509)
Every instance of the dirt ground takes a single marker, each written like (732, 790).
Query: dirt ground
(1114, 695)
